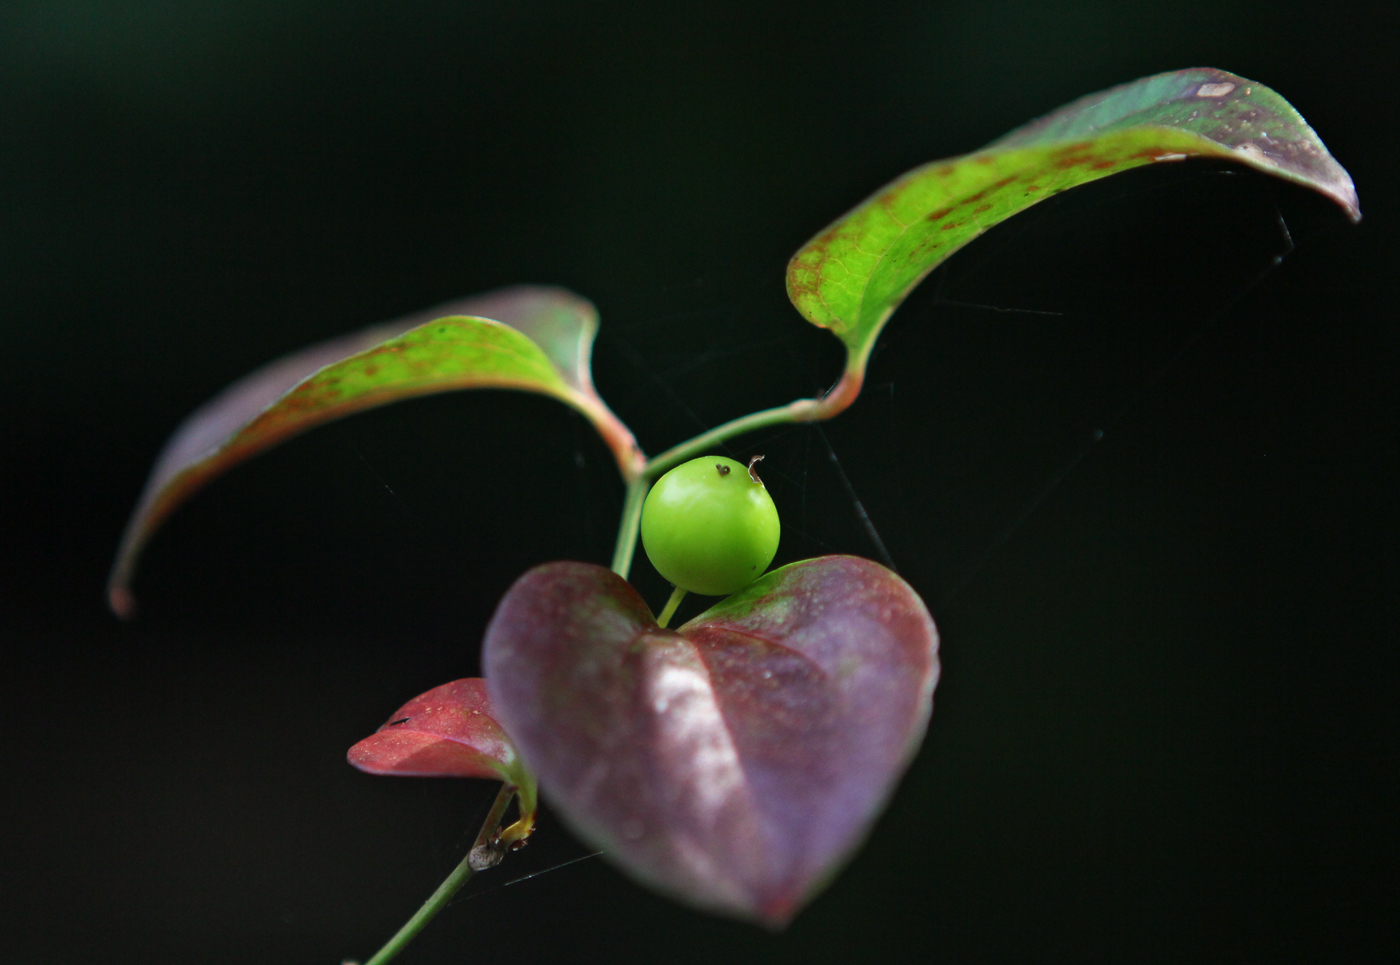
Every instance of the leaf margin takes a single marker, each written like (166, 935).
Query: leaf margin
(804, 272)
(188, 462)
(469, 694)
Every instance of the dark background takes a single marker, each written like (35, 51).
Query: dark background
(1167, 722)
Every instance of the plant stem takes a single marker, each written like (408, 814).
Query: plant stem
(792, 412)
(459, 876)
(803, 410)
(629, 524)
(677, 595)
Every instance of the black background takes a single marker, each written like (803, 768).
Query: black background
(1167, 722)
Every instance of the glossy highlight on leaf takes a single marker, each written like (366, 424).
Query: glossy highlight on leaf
(450, 731)
(735, 762)
(535, 339)
(853, 275)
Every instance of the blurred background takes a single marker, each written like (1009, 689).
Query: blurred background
(1136, 448)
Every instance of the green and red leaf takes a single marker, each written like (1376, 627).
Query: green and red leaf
(857, 271)
(735, 762)
(534, 339)
(450, 731)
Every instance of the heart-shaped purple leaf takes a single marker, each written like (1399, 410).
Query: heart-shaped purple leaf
(732, 763)
(450, 731)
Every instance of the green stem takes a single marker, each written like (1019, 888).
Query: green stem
(792, 412)
(629, 524)
(677, 595)
(460, 875)
(803, 410)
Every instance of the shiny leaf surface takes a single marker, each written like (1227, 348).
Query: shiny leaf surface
(853, 275)
(535, 339)
(450, 731)
(732, 763)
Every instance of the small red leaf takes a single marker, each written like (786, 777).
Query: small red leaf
(733, 763)
(450, 731)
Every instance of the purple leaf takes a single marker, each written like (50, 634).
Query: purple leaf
(732, 763)
(450, 731)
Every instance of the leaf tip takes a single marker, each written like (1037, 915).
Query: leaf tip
(1345, 195)
(122, 603)
(777, 912)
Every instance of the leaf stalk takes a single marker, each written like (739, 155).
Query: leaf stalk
(834, 402)
(630, 523)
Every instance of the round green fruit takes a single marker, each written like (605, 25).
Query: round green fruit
(709, 527)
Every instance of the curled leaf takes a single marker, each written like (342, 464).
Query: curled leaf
(535, 339)
(450, 731)
(735, 762)
(857, 271)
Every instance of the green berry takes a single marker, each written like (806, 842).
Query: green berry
(709, 527)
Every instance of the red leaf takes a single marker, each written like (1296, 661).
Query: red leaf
(450, 731)
(735, 762)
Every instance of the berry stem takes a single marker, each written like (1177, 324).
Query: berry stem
(677, 595)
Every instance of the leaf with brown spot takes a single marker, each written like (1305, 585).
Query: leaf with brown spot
(857, 271)
(531, 338)
(733, 763)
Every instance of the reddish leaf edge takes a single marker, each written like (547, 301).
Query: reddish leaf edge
(164, 493)
(449, 731)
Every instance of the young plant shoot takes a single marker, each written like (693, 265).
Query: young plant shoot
(733, 763)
